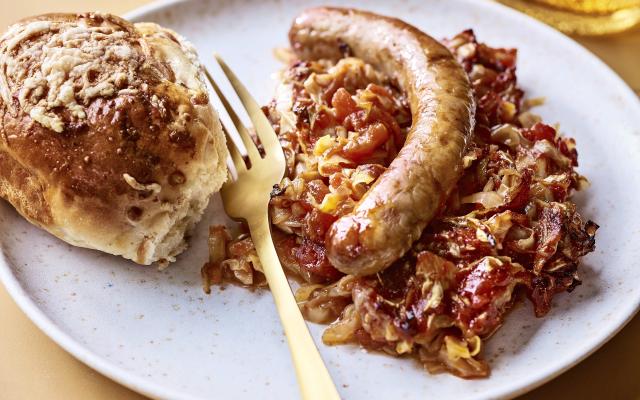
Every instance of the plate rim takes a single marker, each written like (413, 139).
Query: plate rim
(148, 388)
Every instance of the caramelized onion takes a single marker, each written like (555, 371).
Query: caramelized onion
(486, 199)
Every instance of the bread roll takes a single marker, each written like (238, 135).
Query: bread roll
(107, 137)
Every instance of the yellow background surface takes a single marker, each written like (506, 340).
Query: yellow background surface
(34, 367)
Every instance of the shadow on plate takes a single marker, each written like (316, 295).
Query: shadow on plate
(604, 375)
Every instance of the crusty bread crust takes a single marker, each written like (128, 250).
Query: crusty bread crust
(107, 136)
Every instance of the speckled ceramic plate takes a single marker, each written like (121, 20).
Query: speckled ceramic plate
(157, 333)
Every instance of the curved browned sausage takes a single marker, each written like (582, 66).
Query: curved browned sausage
(397, 208)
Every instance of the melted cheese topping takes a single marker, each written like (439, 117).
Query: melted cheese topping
(152, 187)
(56, 68)
(182, 59)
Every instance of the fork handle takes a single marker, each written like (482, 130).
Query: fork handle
(313, 378)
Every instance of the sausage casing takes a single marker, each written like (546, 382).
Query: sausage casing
(404, 199)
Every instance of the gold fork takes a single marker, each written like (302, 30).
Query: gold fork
(247, 198)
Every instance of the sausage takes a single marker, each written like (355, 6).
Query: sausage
(404, 199)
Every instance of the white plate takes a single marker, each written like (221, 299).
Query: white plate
(157, 333)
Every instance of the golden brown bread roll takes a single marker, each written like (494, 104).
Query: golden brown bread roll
(107, 137)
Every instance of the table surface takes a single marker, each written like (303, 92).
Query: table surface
(34, 367)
